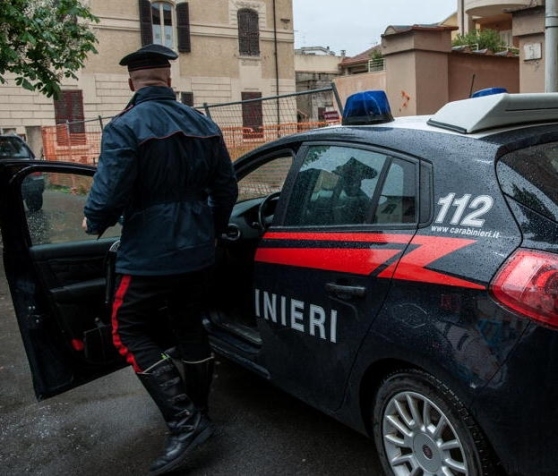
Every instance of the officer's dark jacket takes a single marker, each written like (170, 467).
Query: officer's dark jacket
(165, 170)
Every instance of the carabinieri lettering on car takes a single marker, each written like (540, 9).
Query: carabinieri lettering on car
(300, 316)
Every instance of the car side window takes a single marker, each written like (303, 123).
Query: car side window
(398, 197)
(266, 179)
(54, 207)
(335, 186)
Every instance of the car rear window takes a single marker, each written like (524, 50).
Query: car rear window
(530, 176)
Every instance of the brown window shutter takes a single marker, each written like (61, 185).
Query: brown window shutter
(248, 32)
(69, 108)
(146, 27)
(252, 116)
(183, 28)
(243, 29)
(187, 98)
(254, 34)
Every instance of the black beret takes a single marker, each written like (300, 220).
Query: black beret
(149, 57)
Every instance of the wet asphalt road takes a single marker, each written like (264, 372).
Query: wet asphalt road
(111, 427)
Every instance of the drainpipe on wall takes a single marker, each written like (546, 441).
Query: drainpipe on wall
(551, 46)
(461, 16)
(276, 60)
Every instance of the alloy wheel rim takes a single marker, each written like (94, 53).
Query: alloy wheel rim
(419, 439)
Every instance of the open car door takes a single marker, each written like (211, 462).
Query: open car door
(56, 274)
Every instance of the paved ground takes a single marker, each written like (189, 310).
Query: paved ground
(110, 427)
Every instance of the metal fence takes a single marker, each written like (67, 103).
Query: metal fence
(245, 124)
(250, 123)
(74, 141)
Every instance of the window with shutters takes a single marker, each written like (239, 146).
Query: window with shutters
(161, 20)
(248, 32)
(187, 98)
(157, 24)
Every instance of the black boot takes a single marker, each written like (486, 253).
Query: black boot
(197, 380)
(188, 427)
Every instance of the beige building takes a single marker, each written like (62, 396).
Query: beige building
(229, 50)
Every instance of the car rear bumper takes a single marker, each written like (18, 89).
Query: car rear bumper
(519, 409)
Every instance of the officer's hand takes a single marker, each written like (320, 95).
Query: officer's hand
(84, 224)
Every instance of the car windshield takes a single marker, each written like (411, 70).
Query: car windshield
(13, 148)
(530, 176)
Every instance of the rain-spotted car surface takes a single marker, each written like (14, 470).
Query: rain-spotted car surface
(399, 275)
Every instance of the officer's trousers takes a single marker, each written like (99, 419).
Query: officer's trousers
(152, 313)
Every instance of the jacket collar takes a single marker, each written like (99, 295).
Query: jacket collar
(150, 93)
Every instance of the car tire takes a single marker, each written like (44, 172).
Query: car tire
(411, 437)
(34, 202)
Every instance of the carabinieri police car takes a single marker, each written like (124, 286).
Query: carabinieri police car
(399, 275)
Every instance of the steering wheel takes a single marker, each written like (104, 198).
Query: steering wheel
(263, 210)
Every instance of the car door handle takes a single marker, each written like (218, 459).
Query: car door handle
(344, 291)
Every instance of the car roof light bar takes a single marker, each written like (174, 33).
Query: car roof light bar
(488, 92)
(367, 107)
(497, 110)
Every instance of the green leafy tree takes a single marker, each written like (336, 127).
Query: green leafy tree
(42, 41)
(484, 39)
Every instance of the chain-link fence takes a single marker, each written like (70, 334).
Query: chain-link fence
(245, 124)
(252, 122)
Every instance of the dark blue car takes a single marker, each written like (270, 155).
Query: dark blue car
(14, 147)
(399, 275)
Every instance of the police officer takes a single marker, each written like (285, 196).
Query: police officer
(165, 173)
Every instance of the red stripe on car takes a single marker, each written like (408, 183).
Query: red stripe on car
(347, 260)
(412, 266)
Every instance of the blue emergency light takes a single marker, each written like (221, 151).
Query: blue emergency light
(488, 92)
(366, 107)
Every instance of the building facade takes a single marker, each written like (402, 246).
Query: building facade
(229, 50)
(491, 14)
(521, 24)
(422, 71)
(316, 68)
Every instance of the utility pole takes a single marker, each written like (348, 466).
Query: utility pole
(551, 46)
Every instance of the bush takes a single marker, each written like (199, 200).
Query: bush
(483, 39)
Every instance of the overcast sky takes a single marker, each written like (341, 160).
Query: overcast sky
(356, 25)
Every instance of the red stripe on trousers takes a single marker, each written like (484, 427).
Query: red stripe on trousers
(118, 299)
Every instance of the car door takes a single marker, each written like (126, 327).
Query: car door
(232, 322)
(322, 269)
(56, 275)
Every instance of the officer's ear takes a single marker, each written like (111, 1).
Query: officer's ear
(131, 84)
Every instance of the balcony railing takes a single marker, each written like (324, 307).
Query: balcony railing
(375, 65)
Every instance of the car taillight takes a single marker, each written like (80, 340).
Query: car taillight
(528, 284)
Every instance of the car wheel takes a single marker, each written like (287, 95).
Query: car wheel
(34, 202)
(422, 428)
